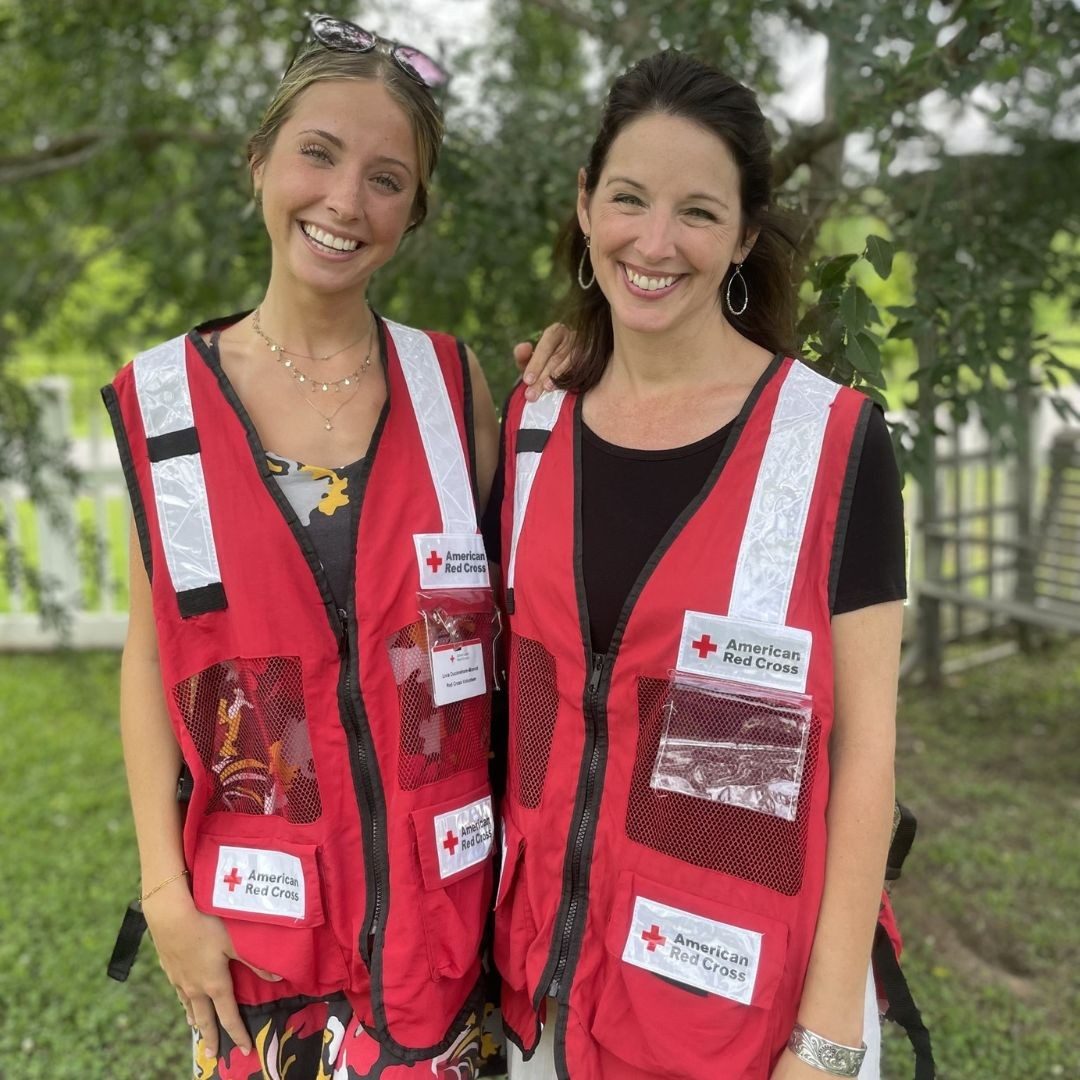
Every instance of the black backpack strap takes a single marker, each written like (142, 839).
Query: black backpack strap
(903, 836)
(133, 925)
(902, 1009)
(127, 942)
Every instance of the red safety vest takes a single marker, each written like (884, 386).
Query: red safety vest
(673, 920)
(341, 821)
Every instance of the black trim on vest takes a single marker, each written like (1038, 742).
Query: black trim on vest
(532, 440)
(370, 804)
(847, 496)
(695, 504)
(470, 426)
(288, 1004)
(607, 666)
(363, 761)
(902, 1009)
(201, 601)
(222, 323)
(519, 1042)
(577, 866)
(375, 928)
(138, 510)
(173, 444)
(211, 357)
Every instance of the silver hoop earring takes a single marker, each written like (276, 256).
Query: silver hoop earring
(745, 291)
(581, 268)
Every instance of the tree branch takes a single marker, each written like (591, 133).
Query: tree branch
(802, 145)
(570, 15)
(809, 17)
(71, 151)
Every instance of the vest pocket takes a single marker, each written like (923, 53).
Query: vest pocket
(248, 720)
(534, 697)
(269, 893)
(454, 842)
(686, 964)
(439, 741)
(515, 927)
(734, 840)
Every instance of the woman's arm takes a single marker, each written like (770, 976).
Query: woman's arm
(485, 430)
(194, 949)
(866, 645)
(151, 755)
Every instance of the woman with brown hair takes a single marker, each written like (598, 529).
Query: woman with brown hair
(312, 620)
(703, 550)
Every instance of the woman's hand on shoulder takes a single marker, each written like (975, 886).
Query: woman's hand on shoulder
(194, 951)
(541, 364)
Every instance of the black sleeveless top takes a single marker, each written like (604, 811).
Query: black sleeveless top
(630, 498)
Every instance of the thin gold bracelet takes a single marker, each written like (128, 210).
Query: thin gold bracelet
(161, 885)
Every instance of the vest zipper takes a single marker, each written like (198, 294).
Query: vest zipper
(367, 932)
(592, 694)
(365, 773)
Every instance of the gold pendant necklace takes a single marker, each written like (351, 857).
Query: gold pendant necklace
(275, 347)
(299, 378)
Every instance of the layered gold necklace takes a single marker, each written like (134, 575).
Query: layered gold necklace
(303, 381)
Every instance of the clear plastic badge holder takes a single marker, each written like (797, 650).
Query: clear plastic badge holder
(461, 625)
(733, 743)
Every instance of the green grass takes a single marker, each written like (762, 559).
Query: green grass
(988, 900)
(987, 903)
(70, 867)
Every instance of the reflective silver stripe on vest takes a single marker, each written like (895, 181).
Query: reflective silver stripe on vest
(772, 539)
(438, 429)
(183, 509)
(536, 416)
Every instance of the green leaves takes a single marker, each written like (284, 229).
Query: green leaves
(831, 271)
(879, 253)
(855, 308)
(838, 325)
(864, 354)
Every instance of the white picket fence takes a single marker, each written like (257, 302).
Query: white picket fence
(85, 563)
(90, 577)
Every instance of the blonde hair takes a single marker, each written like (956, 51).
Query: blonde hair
(320, 64)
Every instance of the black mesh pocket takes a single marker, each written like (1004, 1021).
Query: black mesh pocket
(437, 741)
(248, 722)
(757, 847)
(534, 706)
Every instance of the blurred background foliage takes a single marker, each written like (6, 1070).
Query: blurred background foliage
(125, 209)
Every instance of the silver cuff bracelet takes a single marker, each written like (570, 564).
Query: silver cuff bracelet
(833, 1058)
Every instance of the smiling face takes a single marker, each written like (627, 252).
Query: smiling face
(338, 185)
(665, 223)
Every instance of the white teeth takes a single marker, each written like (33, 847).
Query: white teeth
(338, 243)
(649, 284)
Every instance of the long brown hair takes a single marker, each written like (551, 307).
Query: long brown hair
(676, 84)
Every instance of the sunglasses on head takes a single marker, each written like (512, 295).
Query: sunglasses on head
(345, 36)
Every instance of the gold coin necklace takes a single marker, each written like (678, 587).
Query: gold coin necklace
(301, 379)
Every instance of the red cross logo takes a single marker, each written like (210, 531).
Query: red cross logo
(451, 841)
(232, 878)
(704, 646)
(653, 937)
(434, 560)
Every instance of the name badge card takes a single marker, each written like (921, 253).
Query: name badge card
(457, 671)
